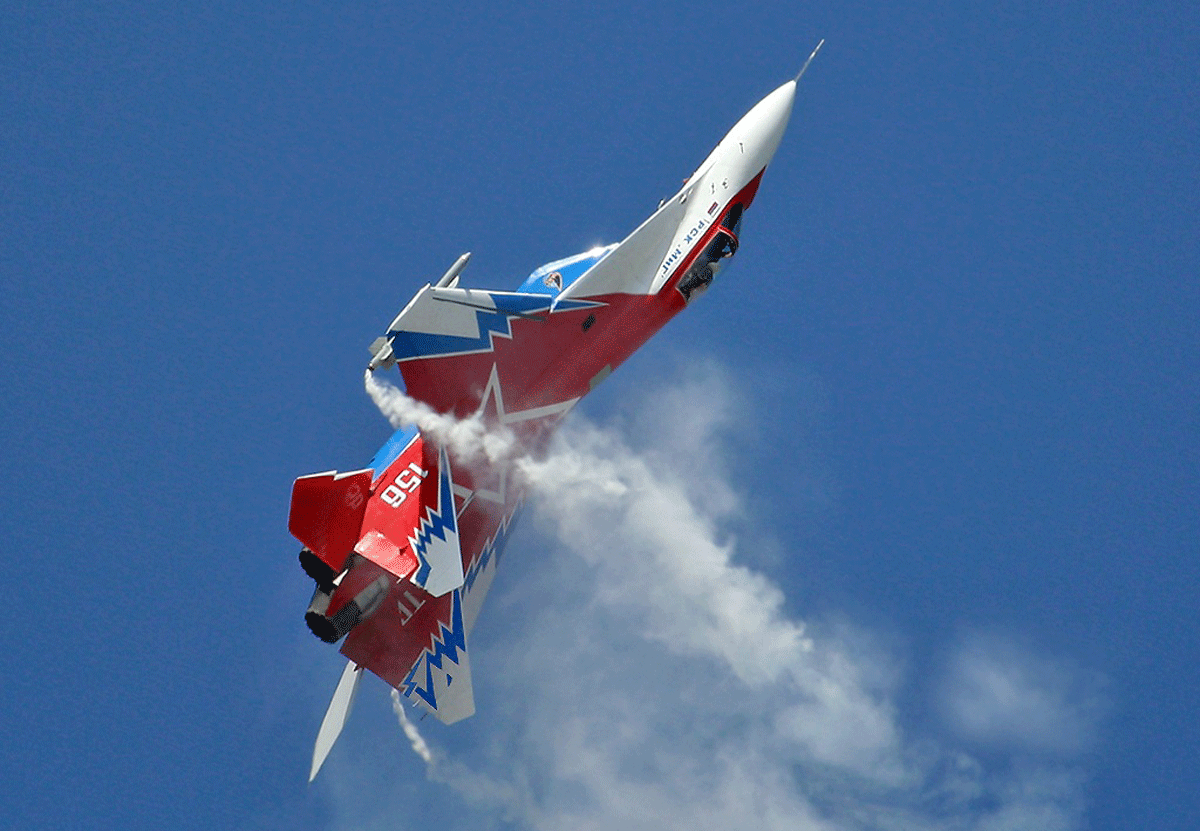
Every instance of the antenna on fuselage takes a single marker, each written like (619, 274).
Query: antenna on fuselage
(810, 57)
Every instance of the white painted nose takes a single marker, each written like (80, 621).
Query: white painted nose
(762, 128)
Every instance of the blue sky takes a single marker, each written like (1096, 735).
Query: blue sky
(942, 412)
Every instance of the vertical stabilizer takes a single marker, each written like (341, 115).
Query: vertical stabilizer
(335, 716)
(435, 539)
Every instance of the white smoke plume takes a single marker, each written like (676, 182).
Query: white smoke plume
(497, 797)
(642, 675)
(410, 730)
(467, 438)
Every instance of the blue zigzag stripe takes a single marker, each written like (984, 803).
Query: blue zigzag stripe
(436, 522)
(407, 344)
(447, 644)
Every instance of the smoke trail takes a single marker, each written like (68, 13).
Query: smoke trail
(491, 793)
(468, 439)
(684, 693)
(410, 730)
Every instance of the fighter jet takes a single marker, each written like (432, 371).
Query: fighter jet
(404, 550)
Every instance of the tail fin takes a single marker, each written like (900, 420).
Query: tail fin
(335, 716)
(327, 513)
(410, 523)
(435, 539)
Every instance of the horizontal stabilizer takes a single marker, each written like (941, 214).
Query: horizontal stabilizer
(327, 513)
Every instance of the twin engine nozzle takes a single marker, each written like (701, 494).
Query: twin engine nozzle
(332, 628)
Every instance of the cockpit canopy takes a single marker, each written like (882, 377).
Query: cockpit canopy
(722, 246)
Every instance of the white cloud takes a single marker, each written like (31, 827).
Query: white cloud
(999, 693)
(634, 674)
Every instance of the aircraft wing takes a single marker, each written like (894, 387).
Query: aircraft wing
(528, 355)
(461, 349)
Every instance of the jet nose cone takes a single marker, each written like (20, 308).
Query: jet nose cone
(768, 120)
(777, 106)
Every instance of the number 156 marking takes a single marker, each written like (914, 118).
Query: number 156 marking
(407, 482)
